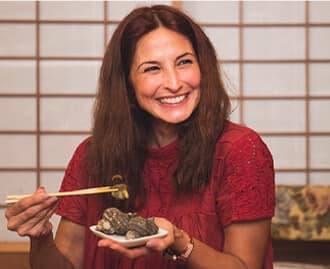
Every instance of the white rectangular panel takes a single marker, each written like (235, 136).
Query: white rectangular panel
(319, 42)
(225, 41)
(212, 11)
(288, 152)
(274, 11)
(71, 114)
(290, 178)
(319, 79)
(319, 152)
(57, 150)
(274, 43)
(319, 11)
(275, 115)
(17, 39)
(10, 71)
(71, 10)
(69, 76)
(319, 115)
(274, 79)
(17, 10)
(18, 151)
(20, 114)
(71, 40)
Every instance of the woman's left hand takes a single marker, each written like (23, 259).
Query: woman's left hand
(155, 244)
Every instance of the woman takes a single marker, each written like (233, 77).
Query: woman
(161, 121)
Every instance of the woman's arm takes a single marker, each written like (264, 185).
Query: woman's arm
(66, 252)
(244, 247)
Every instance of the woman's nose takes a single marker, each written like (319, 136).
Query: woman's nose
(172, 80)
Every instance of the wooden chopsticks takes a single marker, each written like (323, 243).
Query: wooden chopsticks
(10, 199)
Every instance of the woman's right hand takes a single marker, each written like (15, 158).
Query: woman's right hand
(30, 216)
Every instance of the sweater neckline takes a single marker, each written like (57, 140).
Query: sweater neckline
(164, 152)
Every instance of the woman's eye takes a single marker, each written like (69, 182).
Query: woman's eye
(185, 61)
(150, 69)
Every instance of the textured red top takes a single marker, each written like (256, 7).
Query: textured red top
(241, 188)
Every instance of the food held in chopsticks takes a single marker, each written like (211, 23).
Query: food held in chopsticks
(132, 226)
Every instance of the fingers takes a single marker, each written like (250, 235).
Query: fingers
(130, 253)
(23, 204)
(30, 216)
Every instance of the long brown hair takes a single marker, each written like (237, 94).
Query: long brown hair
(119, 138)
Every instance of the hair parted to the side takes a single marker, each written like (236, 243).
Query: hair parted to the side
(119, 136)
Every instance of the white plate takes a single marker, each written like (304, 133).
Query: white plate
(129, 243)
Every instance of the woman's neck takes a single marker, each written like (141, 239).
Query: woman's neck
(162, 134)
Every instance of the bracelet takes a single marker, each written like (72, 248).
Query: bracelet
(177, 256)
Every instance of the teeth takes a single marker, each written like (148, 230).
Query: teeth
(173, 100)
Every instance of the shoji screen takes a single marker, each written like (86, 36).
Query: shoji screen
(275, 57)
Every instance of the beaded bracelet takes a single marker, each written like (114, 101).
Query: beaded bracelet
(180, 257)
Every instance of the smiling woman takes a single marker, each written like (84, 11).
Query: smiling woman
(162, 123)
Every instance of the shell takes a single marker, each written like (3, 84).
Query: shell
(132, 226)
(139, 226)
(117, 220)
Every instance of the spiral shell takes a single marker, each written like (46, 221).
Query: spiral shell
(113, 222)
(132, 226)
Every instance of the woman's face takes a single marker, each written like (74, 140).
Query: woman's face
(165, 75)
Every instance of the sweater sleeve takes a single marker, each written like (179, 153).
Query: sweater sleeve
(74, 207)
(247, 186)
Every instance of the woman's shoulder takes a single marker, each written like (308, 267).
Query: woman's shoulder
(234, 132)
(236, 136)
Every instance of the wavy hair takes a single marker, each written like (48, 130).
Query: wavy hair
(119, 136)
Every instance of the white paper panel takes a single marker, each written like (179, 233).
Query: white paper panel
(225, 41)
(319, 79)
(17, 39)
(57, 150)
(117, 10)
(22, 113)
(19, 10)
(319, 152)
(10, 71)
(235, 114)
(17, 183)
(51, 180)
(274, 43)
(69, 76)
(288, 152)
(274, 79)
(320, 42)
(321, 178)
(319, 115)
(18, 151)
(71, 40)
(212, 11)
(319, 11)
(66, 113)
(290, 178)
(111, 28)
(71, 10)
(230, 77)
(276, 115)
(274, 11)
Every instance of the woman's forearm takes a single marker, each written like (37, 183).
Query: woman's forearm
(203, 256)
(44, 254)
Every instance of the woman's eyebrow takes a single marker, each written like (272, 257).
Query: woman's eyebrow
(184, 55)
(146, 62)
(177, 58)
